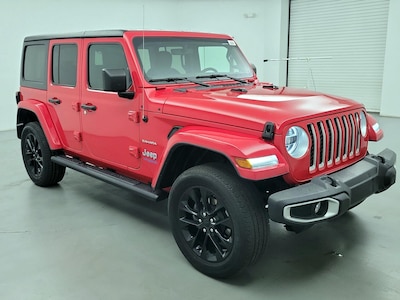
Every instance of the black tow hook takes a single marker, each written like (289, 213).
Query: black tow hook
(297, 228)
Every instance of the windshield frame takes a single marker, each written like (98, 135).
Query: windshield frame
(190, 67)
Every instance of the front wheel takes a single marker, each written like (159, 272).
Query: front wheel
(218, 220)
(36, 154)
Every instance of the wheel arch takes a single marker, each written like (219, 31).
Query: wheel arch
(36, 111)
(184, 156)
(195, 145)
(24, 117)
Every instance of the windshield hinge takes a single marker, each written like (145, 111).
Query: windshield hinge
(268, 132)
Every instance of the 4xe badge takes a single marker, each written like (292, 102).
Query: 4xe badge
(151, 156)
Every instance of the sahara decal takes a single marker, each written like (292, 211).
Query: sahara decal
(144, 141)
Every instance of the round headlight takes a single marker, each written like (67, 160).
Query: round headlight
(296, 141)
(363, 124)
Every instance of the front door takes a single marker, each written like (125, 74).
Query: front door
(110, 124)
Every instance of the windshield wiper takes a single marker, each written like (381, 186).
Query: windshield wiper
(211, 76)
(175, 79)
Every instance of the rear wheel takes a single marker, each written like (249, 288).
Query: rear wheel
(36, 154)
(218, 220)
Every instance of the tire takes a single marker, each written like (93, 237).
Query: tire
(36, 155)
(218, 220)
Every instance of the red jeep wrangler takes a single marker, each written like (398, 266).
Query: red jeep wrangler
(183, 116)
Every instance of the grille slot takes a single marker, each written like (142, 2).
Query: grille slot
(352, 131)
(313, 161)
(334, 140)
(346, 137)
(330, 141)
(322, 143)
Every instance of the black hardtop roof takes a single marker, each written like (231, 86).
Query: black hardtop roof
(83, 34)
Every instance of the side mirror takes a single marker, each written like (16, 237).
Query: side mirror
(115, 80)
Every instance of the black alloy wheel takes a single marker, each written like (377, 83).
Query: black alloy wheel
(218, 220)
(36, 155)
(205, 224)
(33, 155)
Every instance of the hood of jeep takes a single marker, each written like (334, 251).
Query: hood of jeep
(251, 107)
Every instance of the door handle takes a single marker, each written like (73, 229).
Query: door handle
(89, 107)
(55, 101)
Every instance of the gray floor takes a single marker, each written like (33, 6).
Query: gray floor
(87, 240)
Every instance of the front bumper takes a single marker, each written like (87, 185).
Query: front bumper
(331, 195)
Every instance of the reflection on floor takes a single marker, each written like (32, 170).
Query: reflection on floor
(84, 239)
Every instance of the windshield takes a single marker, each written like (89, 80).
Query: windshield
(190, 58)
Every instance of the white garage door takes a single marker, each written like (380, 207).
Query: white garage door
(338, 47)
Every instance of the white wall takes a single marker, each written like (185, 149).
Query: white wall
(258, 34)
(390, 103)
(259, 26)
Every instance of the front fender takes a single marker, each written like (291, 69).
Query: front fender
(231, 145)
(40, 110)
(375, 133)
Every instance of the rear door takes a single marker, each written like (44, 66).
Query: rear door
(110, 124)
(63, 91)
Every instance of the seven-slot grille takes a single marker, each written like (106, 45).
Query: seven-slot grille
(334, 140)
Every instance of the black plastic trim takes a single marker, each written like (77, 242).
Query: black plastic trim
(268, 132)
(18, 97)
(173, 130)
(142, 189)
(83, 34)
(350, 186)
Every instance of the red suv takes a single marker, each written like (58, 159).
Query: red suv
(182, 116)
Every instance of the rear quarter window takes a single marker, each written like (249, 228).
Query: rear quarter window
(34, 65)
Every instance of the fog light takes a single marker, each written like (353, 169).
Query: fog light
(311, 211)
(317, 207)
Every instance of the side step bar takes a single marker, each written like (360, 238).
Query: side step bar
(108, 176)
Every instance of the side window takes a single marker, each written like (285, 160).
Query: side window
(105, 56)
(35, 64)
(64, 64)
